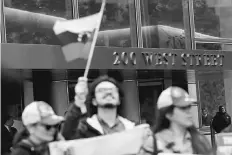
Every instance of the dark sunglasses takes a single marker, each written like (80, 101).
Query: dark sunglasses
(48, 127)
(100, 90)
(184, 107)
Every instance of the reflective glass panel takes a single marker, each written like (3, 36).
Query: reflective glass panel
(209, 46)
(162, 24)
(30, 28)
(116, 27)
(213, 18)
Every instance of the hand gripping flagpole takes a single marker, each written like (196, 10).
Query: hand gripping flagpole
(94, 39)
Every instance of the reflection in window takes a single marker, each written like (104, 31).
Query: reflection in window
(212, 94)
(148, 96)
(16, 33)
(162, 23)
(227, 47)
(209, 46)
(213, 17)
(115, 25)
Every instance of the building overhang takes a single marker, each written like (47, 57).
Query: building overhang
(31, 56)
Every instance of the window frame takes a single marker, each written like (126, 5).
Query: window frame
(3, 28)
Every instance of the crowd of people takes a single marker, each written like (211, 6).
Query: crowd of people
(96, 111)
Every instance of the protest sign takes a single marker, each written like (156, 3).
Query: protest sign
(224, 143)
(176, 154)
(122, 143)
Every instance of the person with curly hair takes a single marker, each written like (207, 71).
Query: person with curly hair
(95, 111)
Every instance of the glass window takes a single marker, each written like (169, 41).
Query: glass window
(213, 17)
(116, 27)
(35, 31)
(148, 95)
(227, 47)
(12, 98)
(209, 46)
(162, 24)
(212, 94)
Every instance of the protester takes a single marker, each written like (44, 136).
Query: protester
(103, 100)
(41, 127)
(6, 136)
(206, 117)
(9, 125)
(221, 120)
(8, 133)
(174, 131)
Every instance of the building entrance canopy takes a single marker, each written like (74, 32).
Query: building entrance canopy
(18, 56)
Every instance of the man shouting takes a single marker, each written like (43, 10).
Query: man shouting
(103, 99)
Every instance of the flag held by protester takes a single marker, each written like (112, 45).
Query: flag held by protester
(76, 36)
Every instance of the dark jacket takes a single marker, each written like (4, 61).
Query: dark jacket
(24, 147)
(6, 140)
(13, 131)
(78, 125)
(221, 121)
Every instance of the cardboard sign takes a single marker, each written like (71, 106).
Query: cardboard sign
(224, 143)
(176, 154)
(122, 143)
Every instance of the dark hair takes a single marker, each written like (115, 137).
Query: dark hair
(200, 144)
(220, 108)
(161, 121)
(91, 95)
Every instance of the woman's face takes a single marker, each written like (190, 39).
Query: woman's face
(43, 133)
(182, 116)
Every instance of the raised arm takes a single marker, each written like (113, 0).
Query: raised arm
(76, 112)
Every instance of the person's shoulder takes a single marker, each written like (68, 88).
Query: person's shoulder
(20, 151)
(127, 123)
(21, 148)
(227, 115)
(218, 116)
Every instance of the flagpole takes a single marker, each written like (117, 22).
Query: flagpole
(94, 39)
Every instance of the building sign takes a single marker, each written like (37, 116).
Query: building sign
(168, 59)
(20, 56)
(163, 59)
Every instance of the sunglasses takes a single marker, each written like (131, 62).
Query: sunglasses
(100, 90)
(48, 127)
(184, 107)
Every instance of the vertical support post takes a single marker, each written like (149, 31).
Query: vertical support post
(189, 27)
(75, 11)
(132, 16)
(3, 26)
(139, 23)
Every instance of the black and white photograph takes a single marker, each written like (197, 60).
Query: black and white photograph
(116, 77)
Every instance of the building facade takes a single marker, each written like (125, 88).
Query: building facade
(147, 45)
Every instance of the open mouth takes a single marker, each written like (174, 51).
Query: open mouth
(109, 106)
(108, 97)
